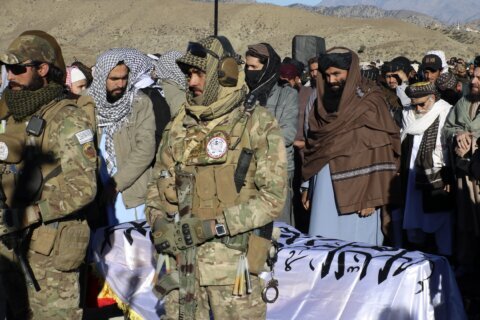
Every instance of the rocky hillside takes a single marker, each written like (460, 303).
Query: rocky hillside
(447, 11)
(85, 28)
(372, 12)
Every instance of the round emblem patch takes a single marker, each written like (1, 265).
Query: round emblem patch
(89, 152)
(3, 151)
(217, 147)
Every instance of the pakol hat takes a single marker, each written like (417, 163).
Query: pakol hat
(420, 90)
(446, 81)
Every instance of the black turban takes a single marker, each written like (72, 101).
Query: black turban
(336, 60)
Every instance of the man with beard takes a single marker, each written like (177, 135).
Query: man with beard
(352, 152)
(126, 131)
(219, 181)
(262, 77)
(425, 170)
(462, 130)
(48, 164)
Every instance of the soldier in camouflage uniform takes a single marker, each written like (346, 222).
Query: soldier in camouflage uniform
(47, 171)
(203, 214)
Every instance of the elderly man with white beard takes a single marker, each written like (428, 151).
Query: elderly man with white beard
(426, 176)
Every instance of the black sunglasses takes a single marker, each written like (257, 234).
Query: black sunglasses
(17, 69)
(421, 104)
(200, 51)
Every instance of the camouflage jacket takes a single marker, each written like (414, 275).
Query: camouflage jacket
(262, 206)
(67, 142)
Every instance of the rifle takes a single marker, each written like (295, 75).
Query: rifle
(16, 241)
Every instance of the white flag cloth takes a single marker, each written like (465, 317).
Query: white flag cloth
(318, 278)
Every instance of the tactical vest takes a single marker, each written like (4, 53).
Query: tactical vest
(50, 169)
(214, 172)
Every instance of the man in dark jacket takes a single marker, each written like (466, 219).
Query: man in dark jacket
(262, 77)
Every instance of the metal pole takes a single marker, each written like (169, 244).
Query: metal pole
(215, 31)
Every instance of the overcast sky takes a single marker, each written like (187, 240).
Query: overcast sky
(287, 2)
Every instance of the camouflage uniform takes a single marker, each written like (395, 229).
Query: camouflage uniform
(57, 245)
(258, 203)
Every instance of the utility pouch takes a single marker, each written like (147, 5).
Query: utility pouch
(166, 283)
(238, 242)
(185, 184)
(43, 239)
(166, 187)
(258, 248)
(71, 245)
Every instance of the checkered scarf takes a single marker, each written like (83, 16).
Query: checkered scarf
(112, 116)
(166, 68)
(209, 65)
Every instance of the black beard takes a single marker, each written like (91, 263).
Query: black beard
(473, 97)
(331, 97)
(113, 99)
(35, 84)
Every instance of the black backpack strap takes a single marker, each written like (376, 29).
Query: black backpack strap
(161, 111)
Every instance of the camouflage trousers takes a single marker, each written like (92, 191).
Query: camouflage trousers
(59, 297)
(221, 302)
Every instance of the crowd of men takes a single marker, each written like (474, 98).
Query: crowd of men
(211, 148)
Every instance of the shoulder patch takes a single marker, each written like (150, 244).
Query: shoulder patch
(89, 152)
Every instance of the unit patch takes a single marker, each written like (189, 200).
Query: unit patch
(89, 151)
(3, 151)
(217, 147)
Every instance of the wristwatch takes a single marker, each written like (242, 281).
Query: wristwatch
(220, 230)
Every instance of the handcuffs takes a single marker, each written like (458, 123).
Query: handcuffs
(272, 284)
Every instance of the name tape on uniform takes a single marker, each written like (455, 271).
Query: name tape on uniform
(84, 136)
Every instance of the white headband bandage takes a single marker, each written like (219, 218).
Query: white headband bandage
(76, 75)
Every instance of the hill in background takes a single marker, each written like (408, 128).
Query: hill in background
(447, 11)
(372, 12)
(85, 28)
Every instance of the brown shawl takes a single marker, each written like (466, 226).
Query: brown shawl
(360, 142)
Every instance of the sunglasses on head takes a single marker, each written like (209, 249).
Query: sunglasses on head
(200, 51)
(20, 68)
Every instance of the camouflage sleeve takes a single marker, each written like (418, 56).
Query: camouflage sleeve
(161, 194)
(270, 177)
(71, 140)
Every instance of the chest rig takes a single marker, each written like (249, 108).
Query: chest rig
(213, 161)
